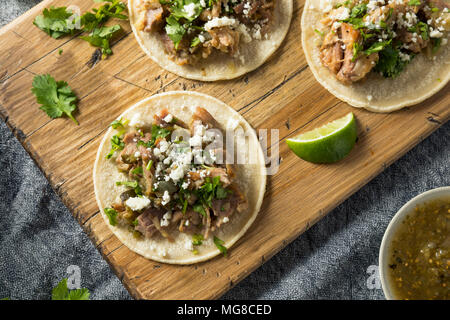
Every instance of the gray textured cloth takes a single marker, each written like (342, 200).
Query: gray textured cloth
(39, 238)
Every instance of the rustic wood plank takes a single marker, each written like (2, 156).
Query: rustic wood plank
(282, 95)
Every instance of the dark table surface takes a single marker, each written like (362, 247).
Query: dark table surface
(41, 243)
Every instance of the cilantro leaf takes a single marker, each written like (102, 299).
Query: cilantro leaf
(221, 192)
(159, 132)
(61, 292)
(79, 294)
(112, 215)
(137, 171)
(220, 245)
(55, 22)
(56, 98)
(179, 12)
(377, 47)
(99, 37)
(390, 64)
(131, 184)
(112, 9)
(174, 30)
(119, 123)
(358, 11)
(200, 209)
(116, 144)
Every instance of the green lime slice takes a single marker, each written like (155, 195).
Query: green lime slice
(327, 144)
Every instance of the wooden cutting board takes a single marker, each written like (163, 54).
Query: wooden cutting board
(282, 94)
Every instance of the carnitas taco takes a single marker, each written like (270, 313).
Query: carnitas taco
(210, 40)
(378, 54)
(167, 182)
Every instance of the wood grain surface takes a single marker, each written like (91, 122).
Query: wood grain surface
(282, 94)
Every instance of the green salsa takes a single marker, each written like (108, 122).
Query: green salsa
(419, 257)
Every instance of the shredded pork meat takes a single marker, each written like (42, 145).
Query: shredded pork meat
(198, 42)
(364, 35)
(159, 199)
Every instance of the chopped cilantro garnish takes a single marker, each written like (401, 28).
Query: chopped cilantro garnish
(137, 171)
(219, 244)
(116, 144)
(200, 209)
(197, 239)
(377, 47)
(414, 3)
(61, 292)
(135, 222)
(195, 42)
(421, 28)
(358, 11)
(318, 32)
(159, 132)
(131, 184)
(390, 64)
(56, 97)
(180, 21)
(149, 165)
(175, 30)
(112, 215)
(357, 48)
(121, 123)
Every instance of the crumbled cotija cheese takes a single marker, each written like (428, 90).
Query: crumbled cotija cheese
(136, 120)
(220, 22)
(137, 203)
(190, 9)
(168, 118)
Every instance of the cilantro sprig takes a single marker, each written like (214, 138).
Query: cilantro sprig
(390, 63)
(61, 292)
(180, 21)
(61, 21)
(100, 37)
(116, 144)
(98, 17)
(56, 97)
(55, 22)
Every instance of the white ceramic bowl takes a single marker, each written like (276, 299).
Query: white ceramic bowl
(383, 259)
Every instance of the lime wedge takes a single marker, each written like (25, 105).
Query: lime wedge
(327, 144)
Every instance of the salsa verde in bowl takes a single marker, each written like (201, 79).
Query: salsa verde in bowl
(415, 251)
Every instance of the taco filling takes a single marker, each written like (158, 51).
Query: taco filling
(191, 30)
(383, 36)
(175, 180)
